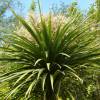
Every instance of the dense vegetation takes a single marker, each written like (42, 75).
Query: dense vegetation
(52, 57)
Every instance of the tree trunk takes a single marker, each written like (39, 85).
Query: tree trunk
(50, 95)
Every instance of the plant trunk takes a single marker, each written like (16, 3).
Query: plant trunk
(50, 96)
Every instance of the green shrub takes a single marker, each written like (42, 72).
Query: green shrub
(45, 61)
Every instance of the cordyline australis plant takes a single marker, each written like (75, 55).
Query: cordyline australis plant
(47, 59)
